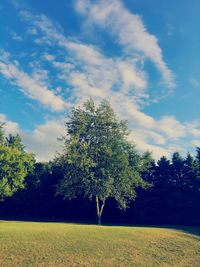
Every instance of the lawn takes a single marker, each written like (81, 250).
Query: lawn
(60, 244)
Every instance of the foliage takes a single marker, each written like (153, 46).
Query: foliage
(98, 161)
(15, 164)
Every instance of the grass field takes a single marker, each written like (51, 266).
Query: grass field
(60, 244)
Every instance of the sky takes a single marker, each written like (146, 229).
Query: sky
(141, 55)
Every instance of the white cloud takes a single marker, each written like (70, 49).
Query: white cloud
(10, 127)
(52, 32)
(16, 37)
(32, 30)
(193, 128)
(85, 53)
(63, 66)
(42, 141)
(40, 76)
(171, 127)
(137, 117)
(90, 73)
(49, 57)
(30, 85)
(196, 143)
(119, 72)
(142, 144)
(131, 77)
(149, 135)
(128, 29)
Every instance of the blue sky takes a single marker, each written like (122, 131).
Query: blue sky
(141, 55)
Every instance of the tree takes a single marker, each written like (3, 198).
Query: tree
(15, 141)
(97, 160)
(15, 164)
(177, 169)
(163, 172)
(190, 171)
(198, 168)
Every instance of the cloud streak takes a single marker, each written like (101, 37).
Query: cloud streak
(30, 86)
(128, 29)
(86, 71)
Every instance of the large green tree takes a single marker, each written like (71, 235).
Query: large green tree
(15, 164)
(98, 161)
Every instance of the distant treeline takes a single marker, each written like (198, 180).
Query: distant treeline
(97, 172)
(173, 198)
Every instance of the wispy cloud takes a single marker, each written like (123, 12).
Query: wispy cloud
(87, 71)
(16, 37)
(28, 84)
(10, 127)
(88, 59)
(42, 141)
(128, 29)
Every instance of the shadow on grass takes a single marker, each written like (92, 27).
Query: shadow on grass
(186, 229)
(192, 230)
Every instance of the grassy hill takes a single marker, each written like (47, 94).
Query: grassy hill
(60, 244)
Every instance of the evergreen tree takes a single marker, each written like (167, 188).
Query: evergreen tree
(163, 172)
(177, 169)
(190, 171)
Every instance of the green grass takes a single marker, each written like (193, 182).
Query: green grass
(60, 244)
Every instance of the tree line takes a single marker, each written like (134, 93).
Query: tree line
(98, 175)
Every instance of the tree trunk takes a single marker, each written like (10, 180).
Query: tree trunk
(98, 219)
(99, 209)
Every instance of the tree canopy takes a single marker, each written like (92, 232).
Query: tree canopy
(15, 164)
(98, 161)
